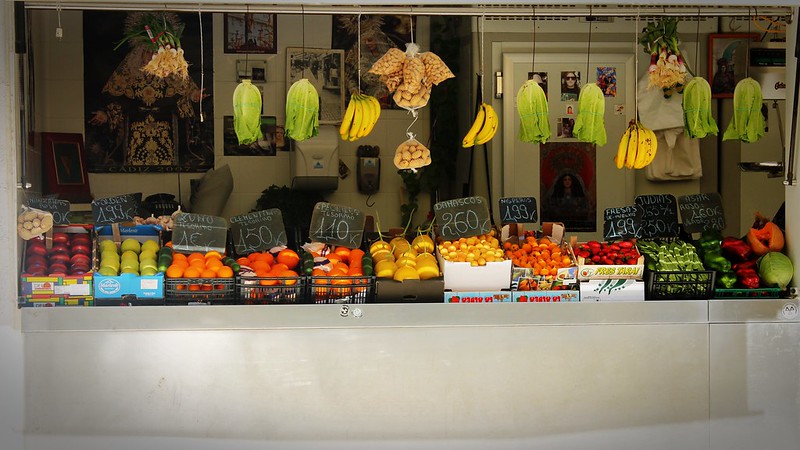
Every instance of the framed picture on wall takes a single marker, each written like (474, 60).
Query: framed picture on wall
(728, 58)
(65, 167)
(251, 33)
(324, 68)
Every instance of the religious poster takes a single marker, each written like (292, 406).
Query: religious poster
(136, 121)
(568, 185)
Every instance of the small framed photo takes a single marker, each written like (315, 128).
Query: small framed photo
(65, 167)
(256, 70)
(266, 146)
(251, 33)
(324, 68)
(728, 58)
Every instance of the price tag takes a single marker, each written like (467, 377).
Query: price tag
(199, 233)
(518, 210)
(462, 217)
(337, 225)
(58, 208)
(258, 231)
(622, 223)
(660, 216)
(122, 208)
(701, 212)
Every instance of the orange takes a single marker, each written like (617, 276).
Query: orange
(356, 257)
(289, 274)
(343, 253)
(175, 271)
(269, 280)
(277, 268)
(243, 261)
(289, 257)
(213, 253)
(355, 271)
(213, 264)
(262, 273)
(208, 273)
(191, 272)
(178, 257)
(253, 256)
(195, 257)
(182, 263)
(225, 272)
(168, 244)
(318, 273)
(198, 263)
(194, 287)
(266, 256)
(333, 258)
(260, 265)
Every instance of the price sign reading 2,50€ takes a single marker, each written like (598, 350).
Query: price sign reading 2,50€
(660, 218)
(518, 210)
(337, 225)
(622, 223)
(701, 212)
(462, 217)
(199, 233)
(122, 208)
(258, 231)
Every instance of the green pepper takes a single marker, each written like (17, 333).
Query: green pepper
(710, 240)
(715, 261)
(726, 280)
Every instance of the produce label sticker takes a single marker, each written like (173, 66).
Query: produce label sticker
(258, 231)
(701, 212)
(58, 208)
(199, 233)
(334, 224)
(121, 208)
(462, 217)
(660, 216)
(622, 223)
(518, 210)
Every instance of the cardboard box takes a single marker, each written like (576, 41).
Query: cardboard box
(558, 296)
(64, 290)
(478, 297)
(410, 291)
(462, 276)
(613, 290)
(127, 285)
(524, 276)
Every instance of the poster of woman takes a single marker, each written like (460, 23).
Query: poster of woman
(568, 185)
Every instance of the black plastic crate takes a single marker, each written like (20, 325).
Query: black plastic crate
(271, 291)
(213, 291)
(341, 290)
(696, 285)
(737, 293)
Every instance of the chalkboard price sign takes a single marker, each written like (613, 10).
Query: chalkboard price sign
(622, 223)
(258, 231)
(199, 233)
(122, 208)
(660, 216)
(701, 212)
(58, 208)
(337, 225)
(518, 210)
(462, 217)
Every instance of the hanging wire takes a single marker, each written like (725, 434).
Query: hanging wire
(482, 29)
(589, 44)
(59, 30)
(749, 39)
(411, 20)
(303, 20)
(358, 36)
(247, 50)
(202, 66)
(636, 67)
(533, 55)
(697, 46)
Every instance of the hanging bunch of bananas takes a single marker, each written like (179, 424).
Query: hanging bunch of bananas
(361, 116)
(637, 148)
(483, 128)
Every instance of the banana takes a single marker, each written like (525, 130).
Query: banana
(619, 160)
(652, 148)
(366, 106)
(480, 118)
(358, 117)
(642, 146)
(489, 127)
(375, 114)
(633, 144)
(347, 121)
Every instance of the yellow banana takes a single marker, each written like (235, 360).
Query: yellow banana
(368, 116)
(375, 113)
(489, 126)
(642, 146)
(633, 144)
(480, 118)
(619, 160)
(357, 119)
(344, 128)
(652, 148)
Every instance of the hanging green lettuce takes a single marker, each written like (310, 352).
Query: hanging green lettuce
(534, 119)
(748, 123)
(302, 110)
(697, 119)
(590, 124)
(247, 113)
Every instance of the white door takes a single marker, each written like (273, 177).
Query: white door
(522, 172)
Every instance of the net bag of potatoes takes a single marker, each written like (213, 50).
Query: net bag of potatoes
(410, 75)
(411, 154)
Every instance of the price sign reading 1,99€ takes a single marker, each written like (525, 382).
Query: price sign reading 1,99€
(337, 225)
(462, 217)
(518, 210)
(622, 223)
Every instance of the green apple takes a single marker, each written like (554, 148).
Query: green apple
(130, 270)
(107, 271)
(129, 254)
(149, 271)
(131, 244)
(110, 263)
(108, 245)
(150, 245)
(109, 254)
(148, 263)
(129, 264)
(147, 254)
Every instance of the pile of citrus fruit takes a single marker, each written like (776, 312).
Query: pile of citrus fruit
(271, 269)
(543, 255)
(337, 272)
(197, 267)
(476, 250)
(401, 260)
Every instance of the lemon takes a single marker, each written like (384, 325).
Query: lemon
(132, 245)
(426, 270)
(377, 245)
(385, 268)
(129, 254)
(406, 261)
(405, 273)
(108, 246)
(150, 245)
(423, 244)
(381, 255)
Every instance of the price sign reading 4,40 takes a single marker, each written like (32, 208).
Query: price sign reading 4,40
(622, 223)
(518, 210)
(59, 208)
(701, 212)
(462, 217)
(199, 233)
(122, 208)
(337, 225)
(660, 218)
(258, 231)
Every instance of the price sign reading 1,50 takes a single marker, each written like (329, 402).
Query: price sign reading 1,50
(258, 231)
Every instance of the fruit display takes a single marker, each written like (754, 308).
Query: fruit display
(607, 253)
(212, 273)
(483, 128)
(410, 75)
(33, 222)
(69, 255)
(360, 117)
(540, 263)
(675, 271)
(338, 274)
(400, 260)
(411, 154)
(130, 257)
(637, 148)
(476, 250)
(534, 115)
(302, 111)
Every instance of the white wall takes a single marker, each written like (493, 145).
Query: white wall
(59, 108)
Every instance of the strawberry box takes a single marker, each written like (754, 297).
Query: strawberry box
(553, 296)
(478, 297)
(608, 260)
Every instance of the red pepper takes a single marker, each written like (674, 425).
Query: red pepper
(748, 279)
(735, 249)
(752, 264)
